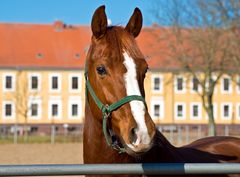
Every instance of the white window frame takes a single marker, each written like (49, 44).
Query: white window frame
(78, 101)
(238, 111)
(59, 76)
(38, 75)
(161, 83)
(222, 85)
(13, 75)
(176, 117)
(58, 101)
(230, 111)
(79, 76)
(13, 116)
(38, 101)
(157, 101)
(199, 117)
(176, 84)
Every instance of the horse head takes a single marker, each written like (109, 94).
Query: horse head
(116, 69)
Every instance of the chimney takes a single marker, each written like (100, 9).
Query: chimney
(155, 25)
(59, 25)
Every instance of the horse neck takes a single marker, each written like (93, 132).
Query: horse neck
(162, 151)
(96, 149)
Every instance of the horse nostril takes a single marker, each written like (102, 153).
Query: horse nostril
(133, 135)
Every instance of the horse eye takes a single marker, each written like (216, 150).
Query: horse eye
(101, 70)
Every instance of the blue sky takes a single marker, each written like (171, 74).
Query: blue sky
(70, 11)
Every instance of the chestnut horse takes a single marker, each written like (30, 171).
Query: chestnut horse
(118, 127)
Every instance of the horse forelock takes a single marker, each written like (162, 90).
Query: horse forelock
(115, 42)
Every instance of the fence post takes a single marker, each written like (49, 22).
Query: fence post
(179, 135)
(187, 134)
(15, 134)
(199, 130)
(226, 130)
(171, 134)
(53, 134)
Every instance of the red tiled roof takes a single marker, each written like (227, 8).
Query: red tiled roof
(153, 44)
(62, 46)
(35, 45)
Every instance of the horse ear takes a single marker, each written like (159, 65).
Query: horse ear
(99, 22)
(134, 25)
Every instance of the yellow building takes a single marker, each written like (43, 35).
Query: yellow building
(41, 96)
(172, 99)
(42, 79)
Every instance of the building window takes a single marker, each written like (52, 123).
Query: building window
(195, 84)
(8, 109)
(35, 82)
(55, 108)
(226, 110)
(55, 82)
(180, 84)
(74, 83)
(226, 86)
(157, 83)
(180, 111)
(226, 83)
(35, 110)
(196, 111)
(8, 82)
(157, 108)
(74, 108)
(54, 112)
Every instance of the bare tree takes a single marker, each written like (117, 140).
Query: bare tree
(199, 45)
(229, 14)
(21, 98)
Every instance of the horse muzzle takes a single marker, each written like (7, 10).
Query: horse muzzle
(140, 142)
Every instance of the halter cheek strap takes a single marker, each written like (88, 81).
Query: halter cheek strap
(108, 109)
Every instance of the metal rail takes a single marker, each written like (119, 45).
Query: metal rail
(114, 169)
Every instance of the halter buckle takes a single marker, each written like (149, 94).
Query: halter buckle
(106, 111)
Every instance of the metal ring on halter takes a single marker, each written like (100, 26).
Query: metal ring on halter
(106, 112)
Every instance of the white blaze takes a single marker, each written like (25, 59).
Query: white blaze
(137, 107)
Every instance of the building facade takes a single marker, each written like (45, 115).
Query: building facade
(42, 79)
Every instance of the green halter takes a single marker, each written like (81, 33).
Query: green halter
(108, 109)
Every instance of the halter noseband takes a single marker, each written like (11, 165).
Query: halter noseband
(108, 109)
